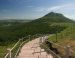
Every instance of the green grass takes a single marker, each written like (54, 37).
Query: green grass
(65, 37)
(69, 32)
(3, 49)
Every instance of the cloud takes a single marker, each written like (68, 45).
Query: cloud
(55, 8)
(70, 16)
(66, 9)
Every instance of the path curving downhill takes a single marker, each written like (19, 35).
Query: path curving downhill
(32, 50)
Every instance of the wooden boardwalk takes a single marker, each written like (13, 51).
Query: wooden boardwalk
(32, 50)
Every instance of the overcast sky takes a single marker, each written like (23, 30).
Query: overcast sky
(32, 9)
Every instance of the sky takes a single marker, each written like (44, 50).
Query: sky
(33, 9)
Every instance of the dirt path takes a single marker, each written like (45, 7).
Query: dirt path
(32, 50)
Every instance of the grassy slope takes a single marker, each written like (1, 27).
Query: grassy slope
(64, 38)
(3, 49)
(69, 32)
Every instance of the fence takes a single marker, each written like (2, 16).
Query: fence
(57, 50)
(13, 52)
(64, 52)
(43, 45)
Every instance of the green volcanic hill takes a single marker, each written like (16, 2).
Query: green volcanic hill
(54, 18)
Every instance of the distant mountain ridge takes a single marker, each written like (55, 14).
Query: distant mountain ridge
(54, 17)
(14, 20)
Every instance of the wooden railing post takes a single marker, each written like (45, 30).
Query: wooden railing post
(29, 37)
(9, 51)
(40, 41)
(43, 38)
(68, 52)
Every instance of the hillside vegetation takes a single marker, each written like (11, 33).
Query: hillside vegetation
(39, 26)
(51, 23)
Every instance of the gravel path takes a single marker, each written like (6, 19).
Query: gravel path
(32, 50)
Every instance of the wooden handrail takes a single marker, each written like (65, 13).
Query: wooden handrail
(15, 45)
(10, 50)
(28, 40)
(6, 55)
